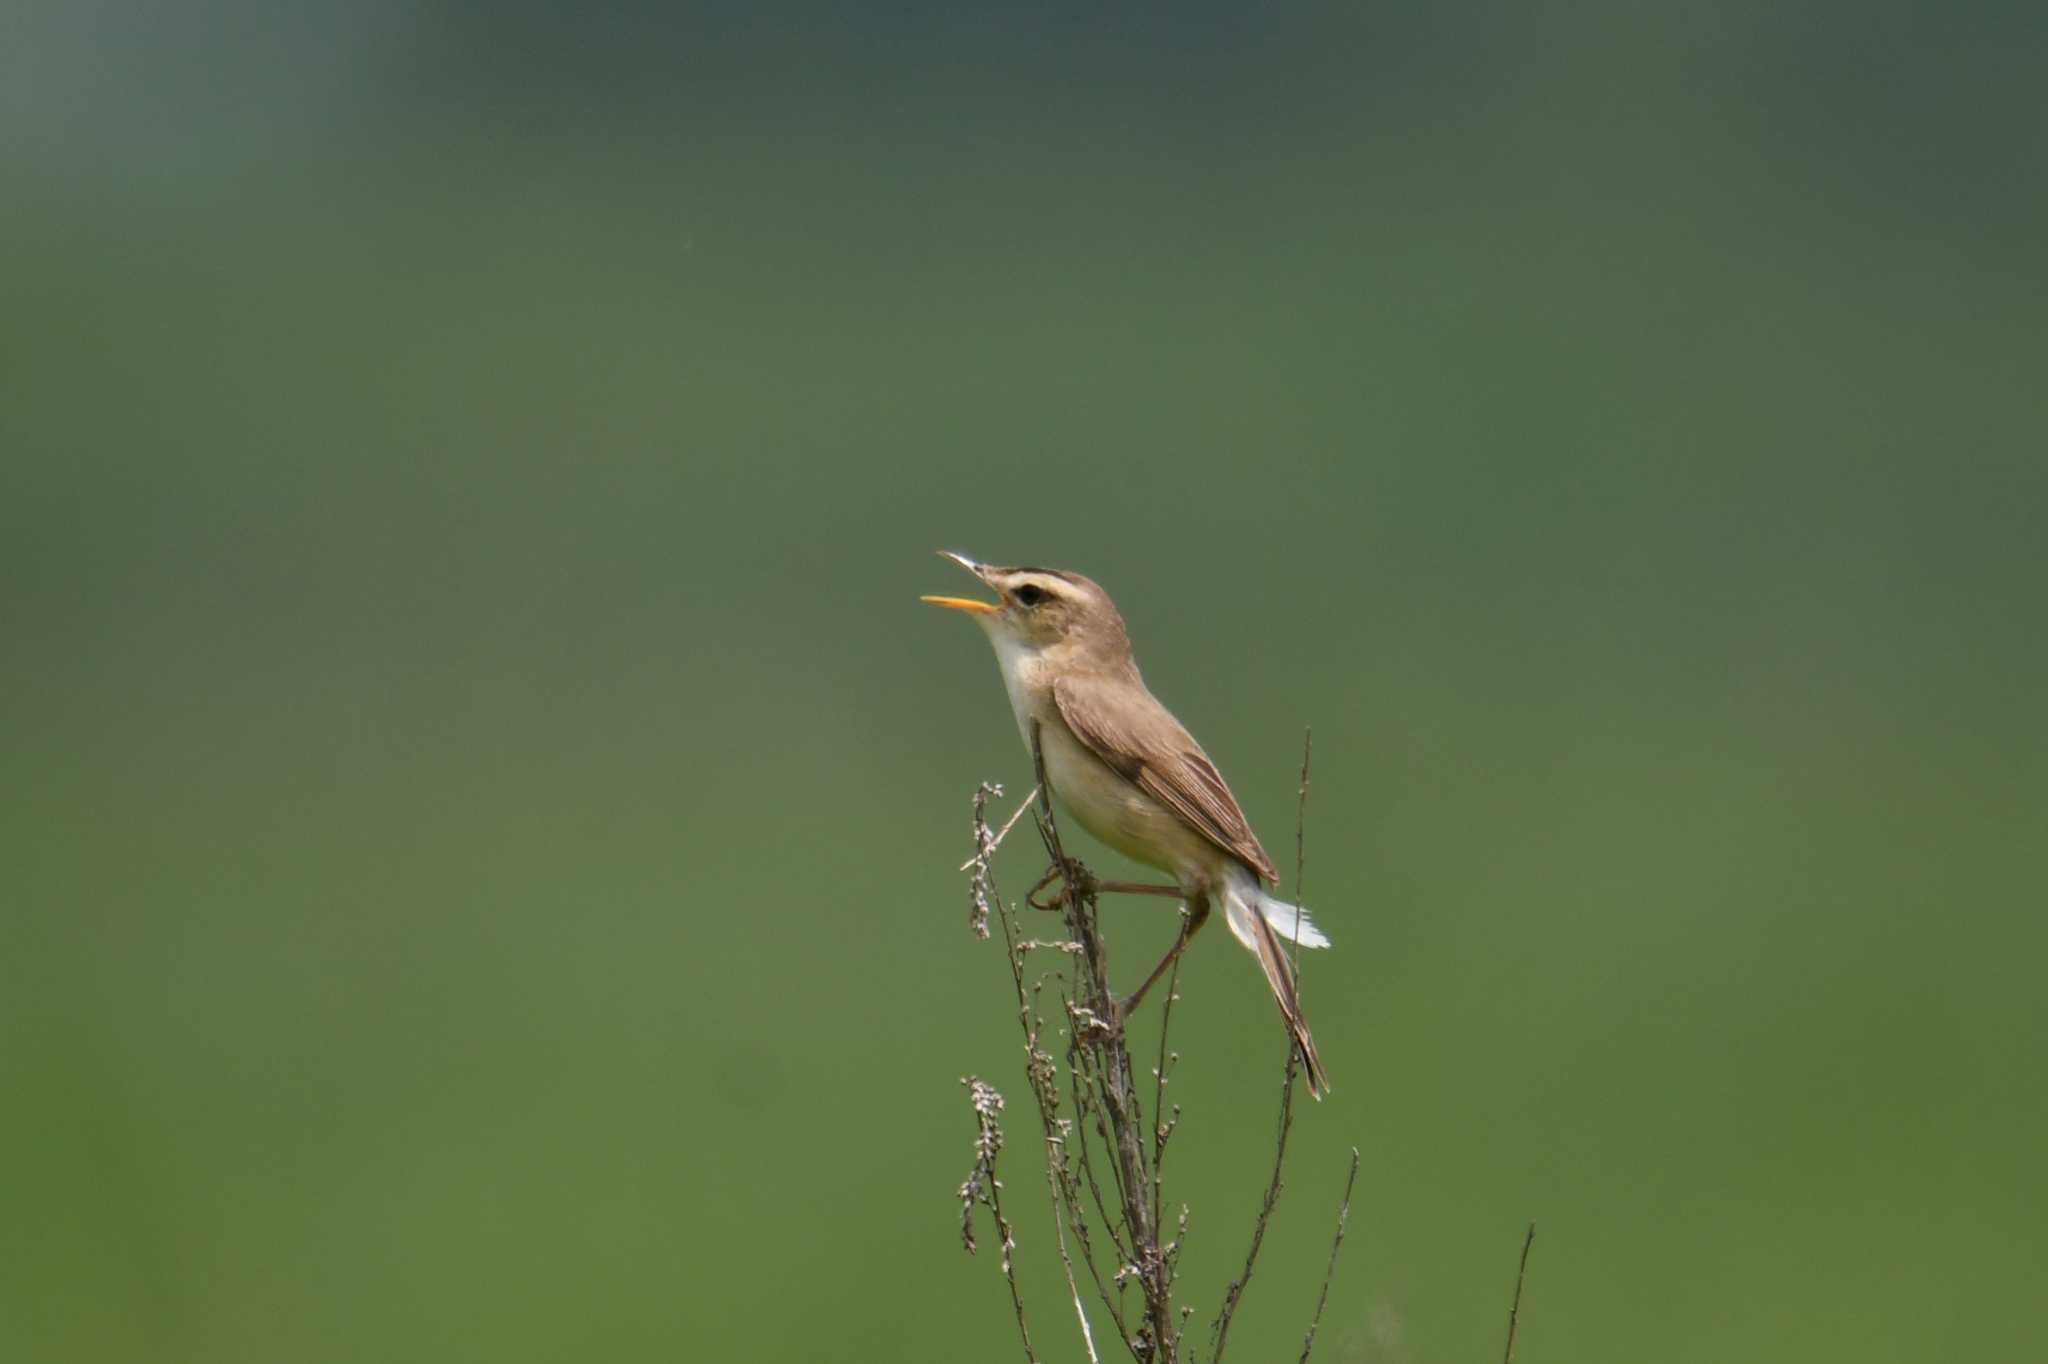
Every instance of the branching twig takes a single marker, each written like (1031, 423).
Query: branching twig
(1040, 1070)
(996, 840)
(1124, 1200)
(1097, 1034)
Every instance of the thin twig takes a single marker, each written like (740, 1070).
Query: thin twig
(1308, 1342)
(1301, 850)
(1040, 1071)
(1074, 1291)
(981, 884)
(1233, 1293)
(984, 1187)
(1059, 1160)
(1515, 1311)
(1081, 1076)
(1002, 833)
(1162, 1125)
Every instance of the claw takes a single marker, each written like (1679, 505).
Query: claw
(1079, 880)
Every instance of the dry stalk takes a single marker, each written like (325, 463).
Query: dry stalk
(1515, 1310)
(1308, 1342)
(1096, 1052)
(983, 1187)
(1233, 1293)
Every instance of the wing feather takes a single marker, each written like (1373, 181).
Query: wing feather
(1139, 739)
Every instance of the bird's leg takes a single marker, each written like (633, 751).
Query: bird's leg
(1089, 885)
(1138, 888)
(1082, 880)
(1052, 874)
(1197, 915)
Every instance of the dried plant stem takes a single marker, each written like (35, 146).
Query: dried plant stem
(1163, 1123)
(1308, 736)
(1515, 1310)
(1233, 1292)
(1074, 1288)
(984, 1187)
(1308, 1342)
(996, 840)
(1219, 1329)
(1039, 1070)
(1103, 1151)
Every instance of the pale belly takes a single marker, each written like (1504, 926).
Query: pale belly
(1121, 815)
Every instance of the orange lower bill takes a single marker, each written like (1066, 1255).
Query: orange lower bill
(964, 604)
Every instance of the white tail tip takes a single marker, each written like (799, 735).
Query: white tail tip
(1292, 922)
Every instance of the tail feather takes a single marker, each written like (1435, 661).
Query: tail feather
(1251, 916)
(1292, 922)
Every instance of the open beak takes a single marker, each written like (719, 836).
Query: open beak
(980, 608)
(986, 608)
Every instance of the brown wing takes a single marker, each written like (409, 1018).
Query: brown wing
(1125, 727)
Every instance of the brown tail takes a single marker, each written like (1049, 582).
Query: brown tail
(1279, 971)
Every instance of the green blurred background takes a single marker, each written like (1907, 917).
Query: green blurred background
(483, 796)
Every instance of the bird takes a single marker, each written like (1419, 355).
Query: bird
(1131, 774)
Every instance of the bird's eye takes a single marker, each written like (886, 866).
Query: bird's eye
(1029, 594)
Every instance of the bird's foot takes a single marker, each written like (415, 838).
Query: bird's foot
(1076, 880)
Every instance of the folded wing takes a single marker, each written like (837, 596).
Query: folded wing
(1139, 739)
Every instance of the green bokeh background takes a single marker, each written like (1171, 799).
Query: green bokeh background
(483, 797)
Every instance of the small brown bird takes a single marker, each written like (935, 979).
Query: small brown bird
(1131, 774)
